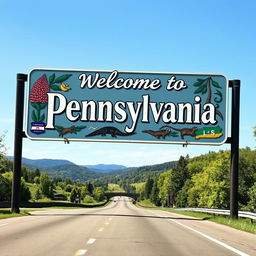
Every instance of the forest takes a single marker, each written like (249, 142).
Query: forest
(203, 181)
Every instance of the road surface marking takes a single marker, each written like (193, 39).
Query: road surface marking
(80, 252)
(213, 239)
(4, 224)
(209, 238)
(106, 223)
(91, 241)
(206, 236)
(101, 229)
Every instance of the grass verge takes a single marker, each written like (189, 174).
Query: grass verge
(6, 213)
(240, 223)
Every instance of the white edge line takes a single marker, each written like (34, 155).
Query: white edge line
(91, 241)
(4, 224)
(213, 239)
(208, 237)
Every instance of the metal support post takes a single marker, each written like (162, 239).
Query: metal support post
(234, 149)
(18, 135)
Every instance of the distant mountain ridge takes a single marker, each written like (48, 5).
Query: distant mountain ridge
(45, 162)
(57, 168)
(105, 167)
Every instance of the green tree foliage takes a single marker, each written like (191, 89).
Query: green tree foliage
(252, 196)
(182, 195)
(88, 199)
(74, 194)
(211, 187)
(6, 188)
(46, 185)
(99, 194)
(204, 181)
(179, 177)
(165, 186)
(154, 196)
(90, 188)
(148, 187)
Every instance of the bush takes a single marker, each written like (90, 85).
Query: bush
(88, 199)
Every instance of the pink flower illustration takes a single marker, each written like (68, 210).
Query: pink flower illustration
(39, 90)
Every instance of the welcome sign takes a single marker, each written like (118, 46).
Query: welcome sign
(120, 106)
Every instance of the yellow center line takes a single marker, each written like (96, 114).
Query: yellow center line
(101, 229)
(80, 252)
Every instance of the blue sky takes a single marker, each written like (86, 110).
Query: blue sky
(168, 36)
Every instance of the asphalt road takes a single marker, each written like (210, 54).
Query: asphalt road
(119, 229)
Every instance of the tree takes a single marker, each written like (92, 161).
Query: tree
(5, 188)
(205, 86)
(154, 198)
(182, 195)
(179, 176)
(165, 186)
(46, 185)
(37, 172)
(90, 188)
(148, 187)
(211, 187)
(73, 194)
(37, 194)
(2, 145)
(252, 196)
(99, 194)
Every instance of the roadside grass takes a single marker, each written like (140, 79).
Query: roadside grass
(6, 213)
(240, 223)
(147, 203)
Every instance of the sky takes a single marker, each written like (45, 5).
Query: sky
(156, 36)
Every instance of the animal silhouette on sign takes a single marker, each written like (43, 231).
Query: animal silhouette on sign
(72, 129)
(184, 131)
(158, 134)
(113, 131)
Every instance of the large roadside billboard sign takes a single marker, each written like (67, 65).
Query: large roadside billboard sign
(122, 106)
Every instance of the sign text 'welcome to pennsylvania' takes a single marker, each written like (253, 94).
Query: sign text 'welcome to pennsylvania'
(125, 106)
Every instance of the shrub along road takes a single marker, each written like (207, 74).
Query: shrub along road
(119, 229)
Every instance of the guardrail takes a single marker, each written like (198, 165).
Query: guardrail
(241, 214)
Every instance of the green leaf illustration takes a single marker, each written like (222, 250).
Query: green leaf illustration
(34, 117)
(62, 78)
(204, 90)
(200, 89)
(59, 128)
(51, 78)
(199, 82)
(36, 105)
(219, 98)
(215, 84)
(55, 87)
(42, 105)
(42, 117)
(79, 128)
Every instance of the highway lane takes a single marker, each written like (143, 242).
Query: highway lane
(119, 229)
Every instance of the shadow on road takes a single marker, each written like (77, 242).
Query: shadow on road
(119, 215)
